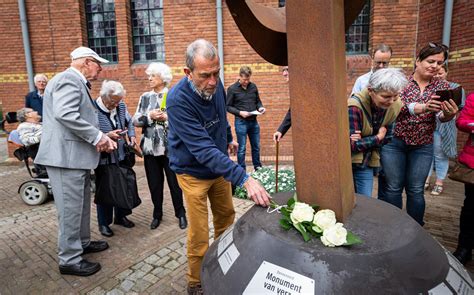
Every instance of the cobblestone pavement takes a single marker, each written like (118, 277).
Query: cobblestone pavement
(139, 260)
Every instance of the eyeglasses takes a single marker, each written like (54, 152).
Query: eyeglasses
(384, 63)
(94, 61)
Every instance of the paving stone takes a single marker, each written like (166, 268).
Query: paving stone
(127, 285)
(138, 274)
(146, 268)
(124, 274)
(138, 265)
(97, 291)
(151, 278)
(110, 284)
(151, 259)
(163, 252)
(115, 292)
(141, 285)
(173, 264)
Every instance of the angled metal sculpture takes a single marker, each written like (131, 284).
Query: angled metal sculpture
(320, 126)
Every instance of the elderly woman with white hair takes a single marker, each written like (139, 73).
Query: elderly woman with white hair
(152, 117)
(114, 120)
(372, 115)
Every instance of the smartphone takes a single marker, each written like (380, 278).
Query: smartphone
(454, 94)
(123, 132)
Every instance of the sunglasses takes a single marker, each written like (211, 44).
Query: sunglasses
(285, 69)
(436, 45)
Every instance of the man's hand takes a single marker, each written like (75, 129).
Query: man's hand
(262, 110)
(232, 148)
(106, 144)
(156, 115)
(257, 192)
(277, 136)
(244, 114)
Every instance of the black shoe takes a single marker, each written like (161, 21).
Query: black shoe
(83, 268)
(464, 255)
(195, 290)
(155, 223)
(105, 231)
(95, 246)
(124, 222)
(183, 223)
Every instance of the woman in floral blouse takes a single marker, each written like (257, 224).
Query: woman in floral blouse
(406, 160)
(151, 116)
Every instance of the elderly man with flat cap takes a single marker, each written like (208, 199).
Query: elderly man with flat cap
(70, 147)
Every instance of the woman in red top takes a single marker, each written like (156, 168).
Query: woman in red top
(465, 123)
(406, 160)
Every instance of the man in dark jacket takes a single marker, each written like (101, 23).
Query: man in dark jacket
(198, 142)
(244, 102)
(34, 99)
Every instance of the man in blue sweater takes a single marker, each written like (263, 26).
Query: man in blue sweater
(199, 140)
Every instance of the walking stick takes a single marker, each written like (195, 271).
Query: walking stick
(276, 167)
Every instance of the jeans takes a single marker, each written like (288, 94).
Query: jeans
(406, 167)
(440, 160)
(363, 180)
(252, 129)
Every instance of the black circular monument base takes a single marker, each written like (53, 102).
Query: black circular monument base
(257, 256)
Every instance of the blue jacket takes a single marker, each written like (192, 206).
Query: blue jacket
(199, 134)
(34, 101)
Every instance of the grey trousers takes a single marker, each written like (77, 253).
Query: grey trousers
(72, 196)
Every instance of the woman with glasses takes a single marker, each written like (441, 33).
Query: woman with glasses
(372, 115)
(152, 117)
(114, 119)
(406, 160)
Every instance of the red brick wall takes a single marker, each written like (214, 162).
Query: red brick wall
(58, 27)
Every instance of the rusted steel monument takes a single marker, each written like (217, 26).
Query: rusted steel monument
(256, 256)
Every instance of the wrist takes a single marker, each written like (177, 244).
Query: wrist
(423, 108)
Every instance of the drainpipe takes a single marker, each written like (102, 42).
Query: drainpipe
(220, 43)
(26, 44)
(448, 17)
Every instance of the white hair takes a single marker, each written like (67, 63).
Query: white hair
(202, 48)
(38, 76)
(161, 70)
(110, 88)
(390, 79)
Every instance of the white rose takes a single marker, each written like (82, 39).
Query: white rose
(334, 236)
(301, 212)
(324, 219)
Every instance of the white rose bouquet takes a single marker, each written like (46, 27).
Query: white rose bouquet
(310, 221)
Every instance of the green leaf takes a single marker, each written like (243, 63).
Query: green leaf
(291, 202)
(352, 239)
(285, 224)
(273, 204)
(284, 211)
(315, 207)
(303, 232)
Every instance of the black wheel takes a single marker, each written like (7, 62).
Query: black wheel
(33, 193)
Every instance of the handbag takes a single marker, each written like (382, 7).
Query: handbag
(116, 185)
(462, 173)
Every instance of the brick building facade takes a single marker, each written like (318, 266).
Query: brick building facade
(57, 27)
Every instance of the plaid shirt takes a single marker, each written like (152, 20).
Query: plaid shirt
(368, 143)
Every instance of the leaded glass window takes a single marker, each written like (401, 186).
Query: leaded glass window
(147, 30)
(357, 36)
(101, 31)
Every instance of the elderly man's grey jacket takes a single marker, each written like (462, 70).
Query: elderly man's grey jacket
(70, 124)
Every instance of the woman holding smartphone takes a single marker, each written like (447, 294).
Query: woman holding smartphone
(151, 116)
(406, 160)
(116, 122)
